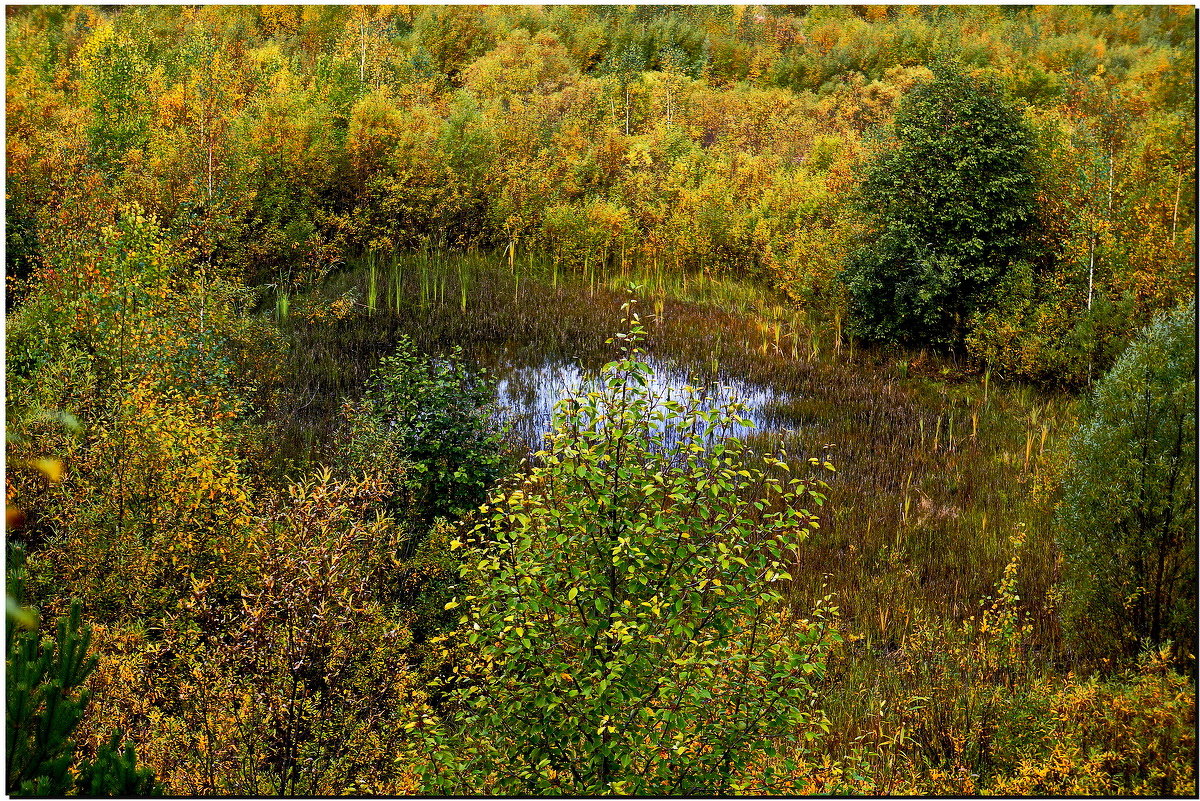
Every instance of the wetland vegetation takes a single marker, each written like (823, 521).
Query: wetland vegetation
(609, 400)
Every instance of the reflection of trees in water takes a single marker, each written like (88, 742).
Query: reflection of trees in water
(527, 395)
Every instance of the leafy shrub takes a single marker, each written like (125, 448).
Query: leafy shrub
(970, 710)
(631, 631)
(1127, 519)
(314, 671)
(45, 702)
(1131, 734)
(427, 423)
(157, 488)
(303, 683)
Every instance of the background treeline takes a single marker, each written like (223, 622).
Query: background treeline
(268, 620)
(272, 141)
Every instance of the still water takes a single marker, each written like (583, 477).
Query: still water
(541, 343)
(527, 394)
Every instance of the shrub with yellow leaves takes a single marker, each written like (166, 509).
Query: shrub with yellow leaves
(301, 687)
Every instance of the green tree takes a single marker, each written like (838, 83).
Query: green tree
(114, 75)
(950, 202)
(427, 423)
(629, 615)
(626, 65)
(451, 37)
(519, 65)
(1127, 519)
(45, 702)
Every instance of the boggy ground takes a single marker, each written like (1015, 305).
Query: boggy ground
(936, 466)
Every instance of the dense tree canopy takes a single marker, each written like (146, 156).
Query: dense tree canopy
(723, 140)
(949, 204)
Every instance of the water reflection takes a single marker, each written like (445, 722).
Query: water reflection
(527, 393)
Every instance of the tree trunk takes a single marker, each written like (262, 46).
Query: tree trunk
(362, 46)
(1091, 267)
(1175, 213)
(1110, 182)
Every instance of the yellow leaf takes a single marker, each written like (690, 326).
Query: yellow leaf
(51, 468)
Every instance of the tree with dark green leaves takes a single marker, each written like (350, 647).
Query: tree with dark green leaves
(1127, 519)
(46, 701)
(950, 200)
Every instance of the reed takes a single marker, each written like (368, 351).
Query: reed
(372, 288)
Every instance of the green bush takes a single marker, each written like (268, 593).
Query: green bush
(951, 201)
(1127, 519)
(427, 427)
(629, 618)
(428, 423)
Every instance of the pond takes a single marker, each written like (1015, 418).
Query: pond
(540, 339)
(932, 475)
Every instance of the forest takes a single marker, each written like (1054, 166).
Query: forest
(600, 400)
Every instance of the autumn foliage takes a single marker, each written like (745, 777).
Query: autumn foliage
(270, 564)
